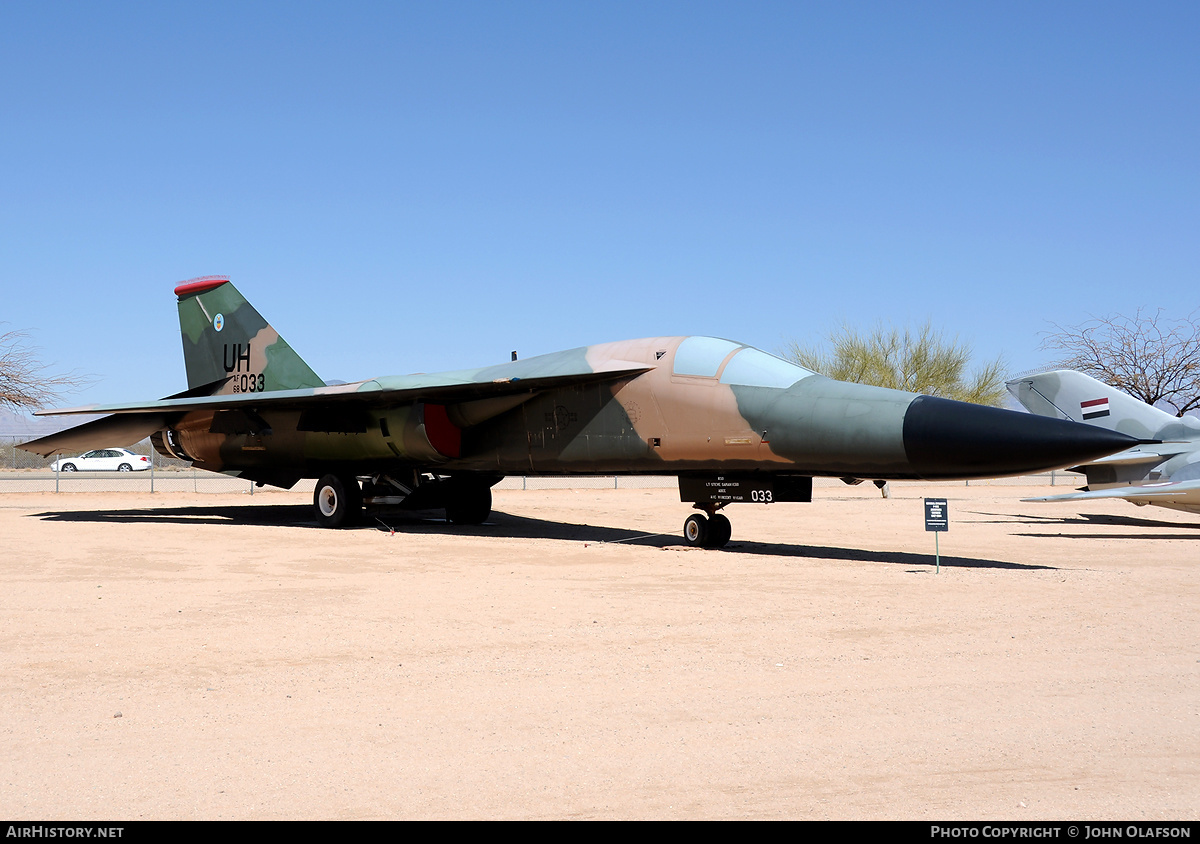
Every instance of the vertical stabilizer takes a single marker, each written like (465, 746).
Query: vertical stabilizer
(226, 340)
(1081, 398)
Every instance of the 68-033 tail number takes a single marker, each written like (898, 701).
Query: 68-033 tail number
(249, 383)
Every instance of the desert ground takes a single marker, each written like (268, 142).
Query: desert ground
(200, 656)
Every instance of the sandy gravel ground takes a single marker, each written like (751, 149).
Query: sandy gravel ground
(218, 656)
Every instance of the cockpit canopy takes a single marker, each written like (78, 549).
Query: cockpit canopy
(735, 364)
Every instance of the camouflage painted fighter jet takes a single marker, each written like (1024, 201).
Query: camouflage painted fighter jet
(1165, 472)
(733, 423)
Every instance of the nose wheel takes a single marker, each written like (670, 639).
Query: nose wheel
(706, 532)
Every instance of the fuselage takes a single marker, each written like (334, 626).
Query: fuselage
(733, 423)
(699, 404)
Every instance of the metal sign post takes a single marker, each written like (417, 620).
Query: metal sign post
(937, 519)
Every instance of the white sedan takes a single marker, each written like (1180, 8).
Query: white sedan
(103, 460)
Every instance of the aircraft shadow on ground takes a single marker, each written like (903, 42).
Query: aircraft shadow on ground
(282, 515)
(500, 525)
(1100, 520)
(1088, 519)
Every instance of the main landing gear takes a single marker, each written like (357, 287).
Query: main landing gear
(711, 532)
(338, 501)
(467, 499)
(468, 502)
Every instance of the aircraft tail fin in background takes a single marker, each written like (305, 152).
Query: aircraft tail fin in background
(226, 340)
(1072, 395)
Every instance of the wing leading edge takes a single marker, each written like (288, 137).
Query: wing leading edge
(1184, 495)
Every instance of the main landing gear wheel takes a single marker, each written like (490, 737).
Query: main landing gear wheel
(719, 531)
(468, 504)
(700, 532)
(338, 501)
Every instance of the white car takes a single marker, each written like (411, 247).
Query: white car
(103, 460)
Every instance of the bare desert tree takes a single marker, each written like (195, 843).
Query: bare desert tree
(1150, 356)
(921, 361)
(26, 382)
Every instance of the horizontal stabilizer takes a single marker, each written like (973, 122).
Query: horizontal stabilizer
(109, 432)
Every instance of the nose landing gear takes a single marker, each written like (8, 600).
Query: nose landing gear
(711, 492)
(711, 532)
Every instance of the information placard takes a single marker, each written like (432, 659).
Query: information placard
(937, 514)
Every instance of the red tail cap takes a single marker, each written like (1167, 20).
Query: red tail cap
(199, 285)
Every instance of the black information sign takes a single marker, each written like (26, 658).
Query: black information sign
(754, 488)
(937, 514)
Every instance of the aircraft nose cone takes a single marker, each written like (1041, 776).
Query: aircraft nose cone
(952, 439)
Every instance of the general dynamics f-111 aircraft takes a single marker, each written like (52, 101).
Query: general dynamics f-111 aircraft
(733, 423)
(1164, 471)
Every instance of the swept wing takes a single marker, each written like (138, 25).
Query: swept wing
(1182, 495)
(132, 422)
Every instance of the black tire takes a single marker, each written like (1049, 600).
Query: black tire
(468, 504)
(695, 530)
(68, 467)
(719, 531)
(337, 501)
(124, 467)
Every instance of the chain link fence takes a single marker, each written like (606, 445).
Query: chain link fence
(21, 471)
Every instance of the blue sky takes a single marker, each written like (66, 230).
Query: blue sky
(405, 187)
